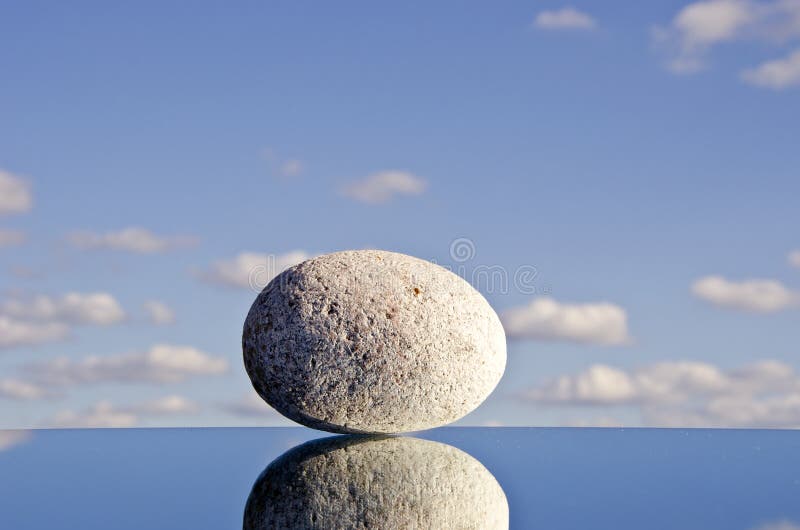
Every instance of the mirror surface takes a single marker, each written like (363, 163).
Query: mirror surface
(552, 478)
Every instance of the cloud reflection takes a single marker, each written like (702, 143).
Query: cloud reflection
(9, 439)
(376, 482)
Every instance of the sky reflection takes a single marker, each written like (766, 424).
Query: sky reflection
(551, 478)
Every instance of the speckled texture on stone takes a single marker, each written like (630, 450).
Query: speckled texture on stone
(372, 341)
(366, 482)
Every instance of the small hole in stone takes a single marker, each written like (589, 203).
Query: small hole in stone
(416, 291)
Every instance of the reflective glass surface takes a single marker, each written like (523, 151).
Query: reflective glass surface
(471, 478)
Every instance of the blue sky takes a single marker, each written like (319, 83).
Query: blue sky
(641, 156)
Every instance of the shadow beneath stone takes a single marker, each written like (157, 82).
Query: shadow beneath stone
(358, 481)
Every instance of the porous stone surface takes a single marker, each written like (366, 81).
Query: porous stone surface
(357, 482)
(371, 341)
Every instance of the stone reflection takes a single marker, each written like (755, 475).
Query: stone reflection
(376, 482)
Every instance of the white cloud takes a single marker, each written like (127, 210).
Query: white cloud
(15, 194)
(132, 239)
(685, 65)
(744, 411)
(599, 384)
(794, 258)
(20, 390)
(9, 439)
(41, 319)
(382, 186)
(700, 26)
(602, 421)
(731, 411)
(760, 296)
(291, 168)
(777, 74)
(15, 333)
(106, 415)
(26, 273)
(252, 270)
(252, 406)
(162, 363)
(159, 313)
(99, 415)
(712, 21)
(10, 238)
(659, 383)
(686, 394)
(676, 381)
(284, 167)
(166, 405)
(565, 18)
(547, 319)
(100, 309)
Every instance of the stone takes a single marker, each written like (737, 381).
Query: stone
(371, 341)
(361, 482)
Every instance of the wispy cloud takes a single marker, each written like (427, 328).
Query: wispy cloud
(159, 313)
(21, 390)
(601, 421)
(100, 309)
(15, 333)
(700, 26)
(685, 393)
(162, 363)
(133, 239)
(15, 194)
(755, 295)
(252, 270)
(599, 384)
(777, 74)
(605, 385)
(282, 166)
(166, 405)
(547, 319)
(99, 415)
(252, 407)
(104, 414)
(794, 258)
(291, 168)
(10, 238)
(566, 18)
(382, 186)
(25, 272)
(40, 319)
